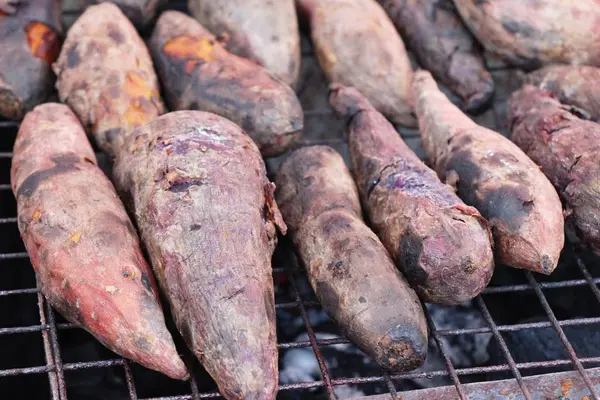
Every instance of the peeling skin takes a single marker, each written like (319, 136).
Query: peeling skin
(198, 73)
(348, 267)
(493, 175)
(567, 149)
(105, 74)
(79, 238)
(441, 245)
(264, 31)
(573, 84)
(204, 207)
(30, 36)
(537, 32)
(357, 45)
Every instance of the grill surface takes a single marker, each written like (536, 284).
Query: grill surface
(511, 291)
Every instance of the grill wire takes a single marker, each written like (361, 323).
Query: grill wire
(55, 368)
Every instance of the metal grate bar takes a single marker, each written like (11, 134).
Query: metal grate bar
(52, 378)
(520, 327)
(588, 277)
(543, 285)
(62, 387)
(130, 382)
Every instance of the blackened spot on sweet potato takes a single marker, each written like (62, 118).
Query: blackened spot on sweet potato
(510, 204)
(411, 247)
(112, 134)
(142, 344)
(146, 282)
(195, 227)
(73, 59)
(362, 300)
(407, 343)
(518, 28)
(115, 33)
(63, 164)
(183, 184)
(338, 269)
(469, 174)
(335, 223)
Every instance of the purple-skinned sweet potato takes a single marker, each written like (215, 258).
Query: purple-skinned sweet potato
(197, 186)
(82, 245)
(30, 33)
(349, 269)
(442, 246)
(493, 175)
(536, 32)
(568, 150)
(435, 33)
(197, 73)
(264, 31)
(140, 12)
(576, 85)
(105, 75)
(357, 45)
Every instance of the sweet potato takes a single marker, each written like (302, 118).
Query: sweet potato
(348, 267)
(442, 246)
(434, 32)
(140, 12)
(264, 31)
(82, 245)
(568, 150)
(30, 35)
(357, 45)
(105, 75)
(573, 84)
(493, 175)
(537, 32)
(205, 209)
(198, 73)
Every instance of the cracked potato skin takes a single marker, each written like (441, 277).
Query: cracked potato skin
(493, 175)
(568, 150)
(197, 186)
(351, 272)
(197, 73)
(441, 245)
(264, 31)
(105, 75)
(30, 32)
(537, 32)
(83, 247)
(435, 33)
(357, 45)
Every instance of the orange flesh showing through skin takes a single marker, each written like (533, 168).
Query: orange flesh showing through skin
(138, 89)
(193, 50)
(43, 42)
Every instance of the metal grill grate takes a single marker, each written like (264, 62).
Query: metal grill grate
(287, 268)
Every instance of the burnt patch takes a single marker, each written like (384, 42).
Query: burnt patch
(63, 164)
(518, 28)
(509, 204)
(469, 173)
(183, 184)
(143, 344)
(407, 344)
(338, 269)
(411, 248)
(115, 33)
(146, 282)
(195, 227)
(73, 59)
(335, 223)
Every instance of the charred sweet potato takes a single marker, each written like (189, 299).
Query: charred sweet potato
(442, 246)
(573, 84)
(199, 74)
(30, 41)
(348, 267)
(206, 213)
(568, 150)
(537, 32)
(82, 245)
(264, 31)
(357, 45)
(493, 175)
(140, 12)
(105, 75)
(434, 32)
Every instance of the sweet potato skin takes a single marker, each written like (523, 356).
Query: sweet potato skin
(492, 174)
(357, 45)
(442, 246)
(572, 84)
(105, 75)
(538, 32)
(140, 12)
(264, 31)
(199, 74)
(30, 33)
(433, 30)
(83, 247)
(568, 150)
(348, 267)
(205, 209)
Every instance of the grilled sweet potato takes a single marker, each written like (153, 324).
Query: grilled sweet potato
(105, 75)
(198, 73)
(82, 245)
(264, 31)
(537, 32)
(434, 32)
(492, 174)
(573, 84)
(30, 41)
(140, 12)
(206, 213)
(568, 150)
(357, 45)
(442, 246)
(348, 267)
